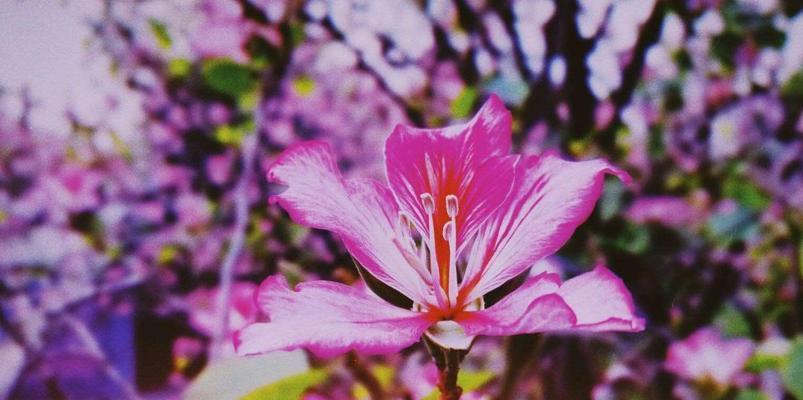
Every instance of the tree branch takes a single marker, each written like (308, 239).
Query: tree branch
(249, 149)
(364, 376)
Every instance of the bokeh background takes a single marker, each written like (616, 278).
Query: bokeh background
(133, 204)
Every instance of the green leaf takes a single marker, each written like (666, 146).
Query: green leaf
(761, 362)
(732, 322)
(469, 381)
(793, 371)
(234, 134)
(167, 254)
(474, 380)
(633, 239)
(751, 394)
(228, 77)
(746, 193)
(792, 90)
(724, 46)
(160, 32)
(290, 388)
(461, 106)
(179, 67)
(297, 34)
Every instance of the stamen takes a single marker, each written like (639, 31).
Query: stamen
(429, 207)
(428, 202)
(414, 260)
(452, 207)
(404, 220)
(405, 242)
(406, 228)
(450, 235)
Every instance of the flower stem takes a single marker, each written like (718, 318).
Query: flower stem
(447, 382)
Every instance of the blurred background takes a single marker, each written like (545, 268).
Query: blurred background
(134, 223)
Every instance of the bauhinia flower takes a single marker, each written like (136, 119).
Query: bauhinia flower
(459, 218)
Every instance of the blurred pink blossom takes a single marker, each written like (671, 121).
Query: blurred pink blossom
(671, 211)
(707, 355)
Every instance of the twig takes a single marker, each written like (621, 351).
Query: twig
(631, 75)
(249, 146)
(411, 112)
(364, 376)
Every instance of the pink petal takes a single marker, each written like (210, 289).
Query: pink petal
(462, 160)
(533, 307)
(595, 301)
(601, 302)
(328, 318)
(550, 198)
(362, 212)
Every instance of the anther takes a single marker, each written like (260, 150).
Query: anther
(452, 207)
(428, 202)
(404, 220)
(447, 231)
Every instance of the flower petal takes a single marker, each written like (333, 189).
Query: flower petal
(601, 302)
(362, 212)
(550, 198)
(328, 318)
(461, 160)
(533, 307)
(594, 301)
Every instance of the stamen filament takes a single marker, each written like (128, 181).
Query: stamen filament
(450, 235)
(429, 207)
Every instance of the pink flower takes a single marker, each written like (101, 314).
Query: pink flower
(482, 217)
(706, 355)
